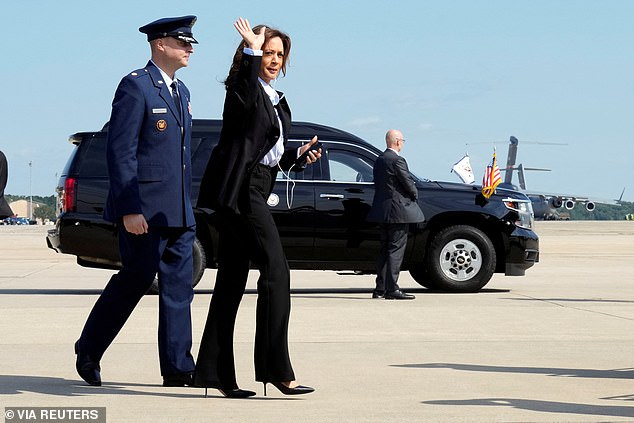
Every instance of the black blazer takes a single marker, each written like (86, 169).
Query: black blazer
(395, 192)
(249, 130)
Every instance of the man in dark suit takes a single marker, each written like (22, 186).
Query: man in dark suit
(149, 167)
(395, 207)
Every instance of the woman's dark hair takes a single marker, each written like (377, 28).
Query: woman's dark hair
(268, 34)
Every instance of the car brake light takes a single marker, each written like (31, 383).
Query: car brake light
(70, 186)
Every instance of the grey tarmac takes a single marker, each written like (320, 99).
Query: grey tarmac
(556, 345)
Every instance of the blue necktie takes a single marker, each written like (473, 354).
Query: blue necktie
(177, 100)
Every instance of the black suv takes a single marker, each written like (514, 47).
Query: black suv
(320, 214)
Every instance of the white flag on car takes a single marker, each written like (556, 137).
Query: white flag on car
(462, 168)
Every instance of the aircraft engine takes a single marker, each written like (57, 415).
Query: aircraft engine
(556, 202)
(590, 206)
(569, 204)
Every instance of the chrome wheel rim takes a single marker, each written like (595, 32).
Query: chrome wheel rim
(460, 260)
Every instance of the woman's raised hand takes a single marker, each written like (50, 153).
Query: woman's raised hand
(254, 41)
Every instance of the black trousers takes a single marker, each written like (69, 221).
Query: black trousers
(391, 253)
(249, 236)
(168, 252)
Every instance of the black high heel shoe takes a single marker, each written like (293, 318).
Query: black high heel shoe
(233, 393)
(296, 390)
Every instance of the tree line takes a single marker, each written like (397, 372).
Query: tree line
(604, 212)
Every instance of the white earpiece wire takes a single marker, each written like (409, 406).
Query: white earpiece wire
(289, 196)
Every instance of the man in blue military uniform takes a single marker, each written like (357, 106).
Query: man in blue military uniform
(148, 155)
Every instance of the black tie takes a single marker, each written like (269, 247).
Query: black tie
(177, 100)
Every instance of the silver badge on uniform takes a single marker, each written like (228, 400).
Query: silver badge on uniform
(159, 110)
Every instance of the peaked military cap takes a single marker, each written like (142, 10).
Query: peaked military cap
(179, 28)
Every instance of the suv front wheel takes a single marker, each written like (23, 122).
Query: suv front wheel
(460, 258)
(200, 263)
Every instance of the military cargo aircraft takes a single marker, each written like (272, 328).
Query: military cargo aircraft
(546, 206)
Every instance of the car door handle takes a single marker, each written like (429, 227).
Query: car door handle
(331, 196)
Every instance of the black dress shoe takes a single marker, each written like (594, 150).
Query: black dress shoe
(398, 295)
(179, 379)
(296, 390)
(378, 294)
(87, 367)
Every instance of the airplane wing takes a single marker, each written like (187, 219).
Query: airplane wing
(547, 206)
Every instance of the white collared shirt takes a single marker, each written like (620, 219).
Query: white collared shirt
(167, 79)
(273, 157)
(397, 153)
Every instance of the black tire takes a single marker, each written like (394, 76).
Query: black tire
(460, 258)
(420, 275)
(200, 263)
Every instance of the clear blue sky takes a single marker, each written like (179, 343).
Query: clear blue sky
(445, 72)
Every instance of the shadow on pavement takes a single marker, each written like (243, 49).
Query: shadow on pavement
(573, 300)
(299, 291)
(22, 291)
(18, 384)
(627, 373)
(544, 406)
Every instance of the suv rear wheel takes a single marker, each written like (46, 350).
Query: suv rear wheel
(200, 263)
(460, 258)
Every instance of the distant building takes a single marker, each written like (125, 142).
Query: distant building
(21, 207)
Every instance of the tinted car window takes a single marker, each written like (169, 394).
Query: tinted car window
(345, 166)
(69, 162)
(92, 162)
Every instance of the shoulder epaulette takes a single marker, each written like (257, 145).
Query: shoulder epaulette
(138, 73)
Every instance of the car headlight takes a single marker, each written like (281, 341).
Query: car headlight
(524, 210)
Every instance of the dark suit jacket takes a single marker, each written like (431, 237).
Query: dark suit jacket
(395, 192)
(249, 130)
(149, 162)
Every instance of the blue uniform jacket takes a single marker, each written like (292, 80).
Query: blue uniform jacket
(148, 152)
